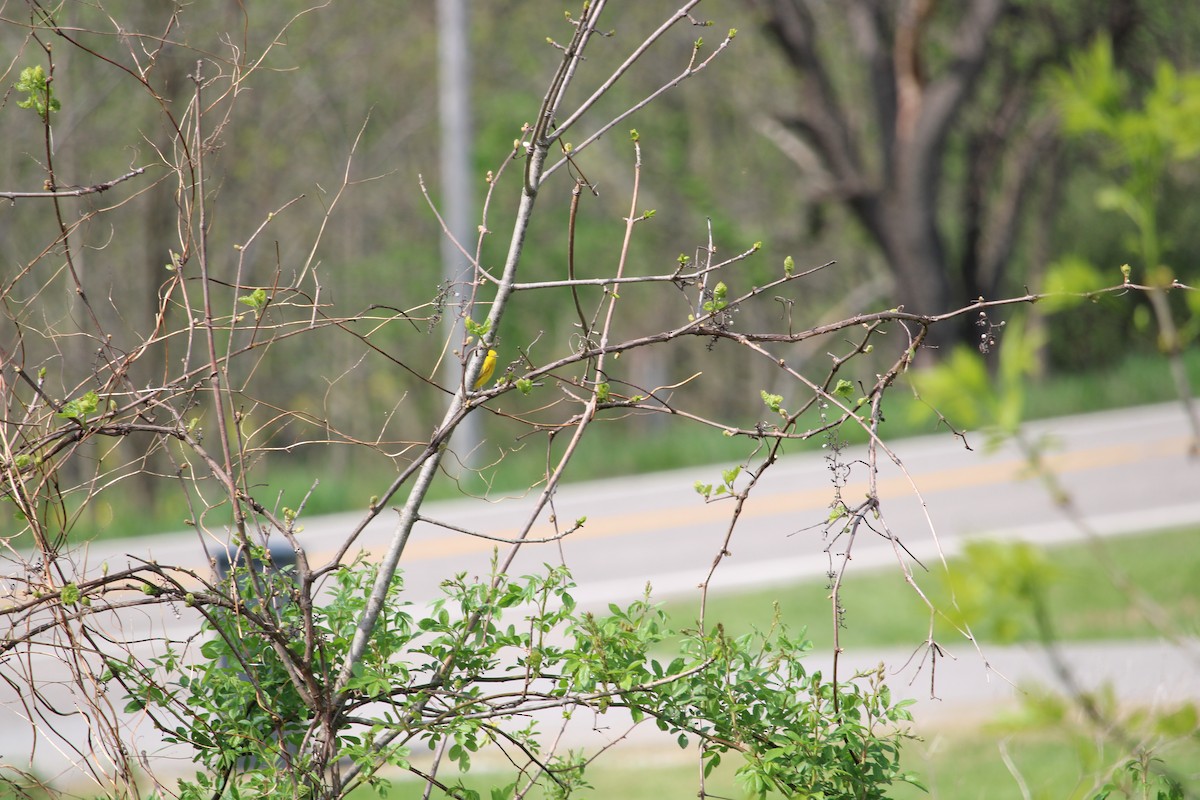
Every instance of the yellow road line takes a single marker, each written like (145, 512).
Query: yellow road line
(809, 499)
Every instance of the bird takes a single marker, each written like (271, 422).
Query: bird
(485, 373)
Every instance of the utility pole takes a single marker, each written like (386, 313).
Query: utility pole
(457, 207)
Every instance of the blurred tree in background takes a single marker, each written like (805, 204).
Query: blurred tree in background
(921, 130)
(929, 123)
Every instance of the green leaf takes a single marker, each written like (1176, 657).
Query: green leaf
(70, 594)
(504, 792)
(79, 408)
(719, 301)
(730, 475)
(1179, 723)
(959, 388)
(476, 329)
(256, 299)
(40, 96)
(1068, 280)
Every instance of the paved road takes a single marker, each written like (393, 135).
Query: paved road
(1127, 471)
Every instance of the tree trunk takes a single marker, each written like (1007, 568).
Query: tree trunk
(881, 105)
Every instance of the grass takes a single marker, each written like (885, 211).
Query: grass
(1137, 380)
(653, 780)
(1050, 763)
(1053, 763)
(880, 609)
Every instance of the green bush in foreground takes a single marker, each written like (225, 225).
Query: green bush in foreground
(462, 680)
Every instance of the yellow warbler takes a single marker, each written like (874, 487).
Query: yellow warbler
(489, 366)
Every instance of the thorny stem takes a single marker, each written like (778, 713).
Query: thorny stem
(459, 404)
(1087, 700)
(539, 145)
(1170, 344)
(584, 331)
(589, 412)
(215, 365)
(75, 191)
